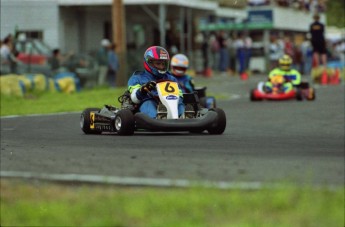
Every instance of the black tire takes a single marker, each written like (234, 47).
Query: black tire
(299, 95)
(219, 126)
(85, 121)
(124, 122)
(252, 96)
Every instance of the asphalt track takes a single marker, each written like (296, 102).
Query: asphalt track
(264, 142)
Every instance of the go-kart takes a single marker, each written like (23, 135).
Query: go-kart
(127, 119)
(300, 92)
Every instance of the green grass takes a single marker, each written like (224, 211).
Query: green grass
(53, 102)
(48, 204)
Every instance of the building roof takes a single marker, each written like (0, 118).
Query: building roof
(196, 4)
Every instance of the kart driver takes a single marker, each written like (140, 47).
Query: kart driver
(142, 84)
(179, 65)
(292, 78)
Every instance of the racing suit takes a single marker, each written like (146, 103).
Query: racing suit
(292, 79)
(186, 84)
(147, 103)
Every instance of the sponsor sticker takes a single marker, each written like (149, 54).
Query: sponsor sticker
(171, 97)
(92, 120)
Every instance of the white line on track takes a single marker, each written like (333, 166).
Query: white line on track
(38, 115)
(131, 181)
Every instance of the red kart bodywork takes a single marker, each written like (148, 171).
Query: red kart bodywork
(259, 95)
(303, 91)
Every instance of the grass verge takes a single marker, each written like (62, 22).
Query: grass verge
(40, 203)
(54, 102)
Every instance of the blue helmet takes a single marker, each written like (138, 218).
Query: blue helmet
(156, 55)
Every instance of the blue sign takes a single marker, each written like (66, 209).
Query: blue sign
(260, 16)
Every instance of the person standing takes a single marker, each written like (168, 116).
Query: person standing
(318, 41)
(7, 56)
(113, 65)
(240, 53)
(223, 52)
(102, 58)
(248, 42)
(214, 46)
(307, 55)
(276, 50)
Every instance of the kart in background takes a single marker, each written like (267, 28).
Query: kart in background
(300, 92)
(127, 119)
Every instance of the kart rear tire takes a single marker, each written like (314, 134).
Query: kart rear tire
(219, 126)
(252, 96)
(299, 95)
(311, 96)
(124, 122)
(85, 121)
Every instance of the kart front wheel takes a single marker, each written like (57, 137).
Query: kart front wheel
(124, 122)
(253, 97)
(86, 121)
(218, 127)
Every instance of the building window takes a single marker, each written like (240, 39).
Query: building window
(34, 34)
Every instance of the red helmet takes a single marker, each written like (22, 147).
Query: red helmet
(156, 60)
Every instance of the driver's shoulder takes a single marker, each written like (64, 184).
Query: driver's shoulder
(171, 77)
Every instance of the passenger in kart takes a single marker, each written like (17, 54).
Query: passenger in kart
(179, 65)
(291, 77)
(142, 84)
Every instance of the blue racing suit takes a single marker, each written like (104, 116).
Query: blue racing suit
(185, 83)
(147, 103)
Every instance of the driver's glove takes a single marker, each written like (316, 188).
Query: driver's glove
(149, 86)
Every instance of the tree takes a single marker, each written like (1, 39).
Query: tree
(335, 13)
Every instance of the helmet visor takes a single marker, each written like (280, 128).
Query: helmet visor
(161, 65)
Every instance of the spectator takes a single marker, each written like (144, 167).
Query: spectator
(318, 41)
(307, 55)
(57, 61)
(204, 49)
(289, 47)
(214, 46)
(223, 52)
(240, 53)
(248, 51)
(113, 65)
(275, 52)
(7, 55)
(102, 58)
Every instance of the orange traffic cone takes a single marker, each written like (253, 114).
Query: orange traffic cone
(244, 76)
(335, 78)
(324, 78)
(208, 72)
